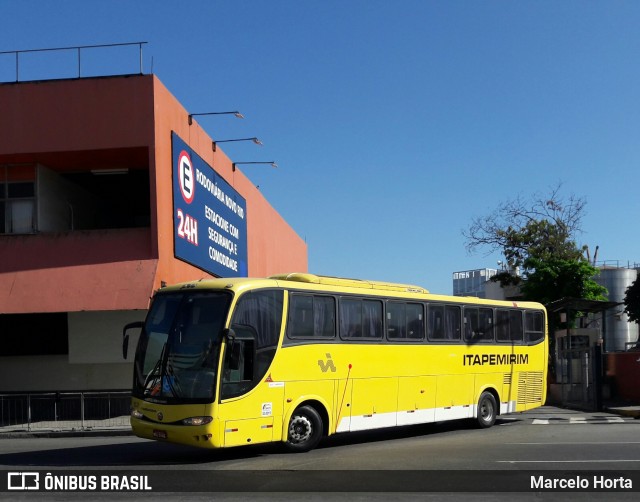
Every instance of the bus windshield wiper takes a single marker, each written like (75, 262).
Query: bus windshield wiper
(172, 380)
(155, 374)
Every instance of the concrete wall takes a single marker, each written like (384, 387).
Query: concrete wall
(97, 276)
(623, 373)
(273, 246)
(94, 361)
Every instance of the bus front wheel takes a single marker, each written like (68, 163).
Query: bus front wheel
(304, 431)
(487, 410)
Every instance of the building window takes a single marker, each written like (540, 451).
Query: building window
(34, 334)
(17, 200)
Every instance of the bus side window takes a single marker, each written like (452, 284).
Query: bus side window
(502, 326)
(534, 326)
(486, 324)
(478, 324)
(372, 318)
(360, 318)
(515, 325)
(301, 316)
(396, 319)
(350, 318)
(324, 316)
(311, 316)
(452, 324)
(405, 321)
(240, 363)
(256, 321)
(509, 326)
(415, 321)
(436, 322)
(471, 325)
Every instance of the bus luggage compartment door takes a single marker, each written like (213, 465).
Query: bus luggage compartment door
(249, 431)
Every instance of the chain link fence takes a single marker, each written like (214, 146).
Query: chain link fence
(64, 410)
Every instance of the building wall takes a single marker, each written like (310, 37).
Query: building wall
(94, 360)
(104, 277)
(623, 372)
(472, 282)
(273, 247)
(127, 122)
(75, 115)
(55, 374)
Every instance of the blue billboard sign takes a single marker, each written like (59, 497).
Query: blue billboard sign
(209, 216)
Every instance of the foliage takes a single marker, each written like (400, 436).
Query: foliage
(544, 227)
(537, 238)
(556, 278)
(632, 301)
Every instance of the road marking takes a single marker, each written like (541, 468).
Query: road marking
(581, 443)
(579, 420)
(562, 461)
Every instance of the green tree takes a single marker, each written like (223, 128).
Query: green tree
(538, 239)
(554, 278)
(542, 227)
(632, 301)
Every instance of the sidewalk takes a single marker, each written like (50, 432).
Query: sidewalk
(15, 432)
(624, 408)
(625, 411)
(68, 428)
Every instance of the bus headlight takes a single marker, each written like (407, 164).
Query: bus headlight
(197, 420)
(137, 414)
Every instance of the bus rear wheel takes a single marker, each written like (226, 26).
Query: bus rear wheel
(304, 431)
(487, 410)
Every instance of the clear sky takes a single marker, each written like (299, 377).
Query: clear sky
(393, 123)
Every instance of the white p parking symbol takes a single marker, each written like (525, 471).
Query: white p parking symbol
(186, 177)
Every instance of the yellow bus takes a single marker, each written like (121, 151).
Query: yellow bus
(295, 357)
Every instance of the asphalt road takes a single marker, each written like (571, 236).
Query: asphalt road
(456, 457)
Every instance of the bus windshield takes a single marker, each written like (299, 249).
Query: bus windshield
(178, 351)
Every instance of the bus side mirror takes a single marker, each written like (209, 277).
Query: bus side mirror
(125, 336)
(229, 335)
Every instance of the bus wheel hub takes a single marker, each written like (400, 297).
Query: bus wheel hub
(299, 429)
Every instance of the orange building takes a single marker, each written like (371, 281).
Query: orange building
(92, 222)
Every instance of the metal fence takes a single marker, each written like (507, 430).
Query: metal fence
(77, 51)
(580, 376)
(64, 410)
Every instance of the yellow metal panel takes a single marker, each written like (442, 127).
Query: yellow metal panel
(374, 403)
(454, 390)
(416, 399)
(250, 431)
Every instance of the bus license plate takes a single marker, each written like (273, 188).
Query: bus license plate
(159, 434)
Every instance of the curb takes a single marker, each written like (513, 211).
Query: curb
(65, 434)
(626, 411)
